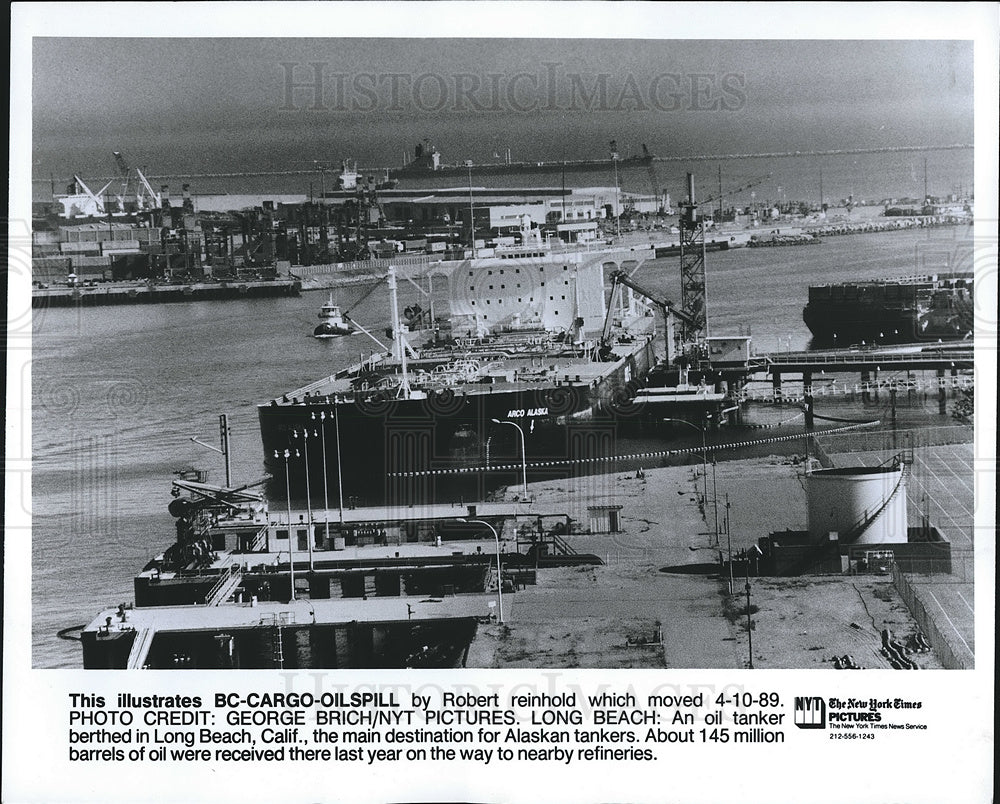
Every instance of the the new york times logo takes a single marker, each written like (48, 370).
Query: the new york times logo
(810, 713)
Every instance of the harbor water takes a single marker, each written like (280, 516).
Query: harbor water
(117, 393)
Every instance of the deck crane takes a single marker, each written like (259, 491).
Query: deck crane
(126, 174)
(619, 278)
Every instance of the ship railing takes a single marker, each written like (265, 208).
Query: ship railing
(202, 569)
(259, 541)
(140, 648)
(869, 354)
(228, 580)
(561, 545)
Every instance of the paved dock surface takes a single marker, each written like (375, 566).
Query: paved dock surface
(629, 613)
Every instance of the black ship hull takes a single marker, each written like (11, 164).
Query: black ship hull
(435, 644)
(844, 325)
(94, 295)
(889, 312)
(447, 447)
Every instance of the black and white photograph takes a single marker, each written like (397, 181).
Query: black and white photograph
(525, 376)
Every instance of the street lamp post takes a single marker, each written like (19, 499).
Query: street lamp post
(715, 500)
(326, 485)
(715, 487)
(340, 473)
(749, 621)
(704, 455)
(729, 542)
(524, 460)
(288, 499)
(496, 536)
(309, 513)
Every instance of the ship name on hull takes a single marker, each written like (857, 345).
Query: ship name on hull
(520, 413)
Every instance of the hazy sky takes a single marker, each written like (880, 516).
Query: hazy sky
(224, 104)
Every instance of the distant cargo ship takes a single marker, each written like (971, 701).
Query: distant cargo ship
(74, 292)
(427, 162)
(904, 310)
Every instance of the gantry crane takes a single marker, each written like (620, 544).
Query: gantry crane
(693, 296)
(693, 286)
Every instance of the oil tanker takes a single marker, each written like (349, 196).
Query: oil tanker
(427, 162)
(517, 383)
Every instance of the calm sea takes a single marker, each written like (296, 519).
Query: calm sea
(118, 392)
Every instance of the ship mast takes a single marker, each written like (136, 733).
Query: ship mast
(398, 334)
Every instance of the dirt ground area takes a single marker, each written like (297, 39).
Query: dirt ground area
(808, 622)
(659, 600)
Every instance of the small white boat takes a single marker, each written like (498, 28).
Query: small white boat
(333, 324)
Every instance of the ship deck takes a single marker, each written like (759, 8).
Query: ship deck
(520, 373)
(369, 556)
(253, 614)
(424, 553)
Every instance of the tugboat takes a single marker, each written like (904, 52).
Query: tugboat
(333, 322)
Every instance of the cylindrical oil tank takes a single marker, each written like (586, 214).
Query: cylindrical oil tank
(844, 501)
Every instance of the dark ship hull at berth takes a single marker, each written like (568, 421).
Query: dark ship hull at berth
(907, 310)
(513, 389)
(440, 643)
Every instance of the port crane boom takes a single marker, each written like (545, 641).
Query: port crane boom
(126, 174)
(619, 278)
(95, 197)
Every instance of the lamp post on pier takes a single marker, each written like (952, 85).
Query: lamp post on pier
(704, 455)
(288, 499)
(715, 487)
(326, 485)
(729, 542)
(496, 536)
(749, 621)
(305, 436)
(715, 500)
(524, 460)
(340, 474)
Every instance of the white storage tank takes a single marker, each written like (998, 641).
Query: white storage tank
(869, 499)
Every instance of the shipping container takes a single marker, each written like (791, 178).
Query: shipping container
(112, 246)
(81, 247)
